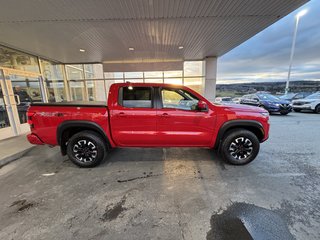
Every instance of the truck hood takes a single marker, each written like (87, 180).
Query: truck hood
(241, 108)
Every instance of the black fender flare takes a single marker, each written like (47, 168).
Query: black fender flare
(86, 125)
(247, 124)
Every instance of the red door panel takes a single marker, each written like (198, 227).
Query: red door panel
(184, 128)
(134, 127)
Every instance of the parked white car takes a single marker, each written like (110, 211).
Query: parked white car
(312, 102)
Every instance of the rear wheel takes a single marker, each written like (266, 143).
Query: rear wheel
(86, 149)
(317, 109)
(297, 110)
(240, 147)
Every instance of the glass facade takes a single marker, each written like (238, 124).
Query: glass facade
(33, 79)
(191, 76)
(88, 82)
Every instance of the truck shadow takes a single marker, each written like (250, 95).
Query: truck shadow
(163, 154)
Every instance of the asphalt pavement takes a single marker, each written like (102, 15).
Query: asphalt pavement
(173, 193)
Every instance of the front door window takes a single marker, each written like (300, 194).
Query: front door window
(178, 99)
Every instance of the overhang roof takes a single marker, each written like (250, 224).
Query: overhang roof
(154, 28)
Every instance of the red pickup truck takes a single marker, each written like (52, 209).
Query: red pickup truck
(148, 115)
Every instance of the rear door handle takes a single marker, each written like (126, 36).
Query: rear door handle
(164, 115)
(121, 114)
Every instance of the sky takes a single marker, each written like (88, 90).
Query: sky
(265, 57)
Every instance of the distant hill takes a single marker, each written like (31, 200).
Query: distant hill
(239, 89)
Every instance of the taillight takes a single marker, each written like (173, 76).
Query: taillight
(30, 115)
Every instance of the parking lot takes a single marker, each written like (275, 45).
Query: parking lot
(166, 193)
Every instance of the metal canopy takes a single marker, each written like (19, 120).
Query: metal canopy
(106, 29)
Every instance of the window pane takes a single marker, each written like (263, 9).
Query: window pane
(14, 59)
(77, 90)
(93, 71)
(155, 74)
(4, 119)
(193, 68)
(136, 97)
(74, 72)
(173, 74)
(133, 75)
(113, 75)
(51, 71)
(195, 84)
(56, 91)
(178, 99)
(96, 90)
(177, 81)
(153, 80)
(134, 80)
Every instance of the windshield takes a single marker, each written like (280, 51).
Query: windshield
(314, 96)
(267, 97)
(288, 96)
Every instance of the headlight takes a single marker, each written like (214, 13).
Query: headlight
(265, 114)
(277, 104)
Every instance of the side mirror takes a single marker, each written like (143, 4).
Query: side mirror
(202, 106)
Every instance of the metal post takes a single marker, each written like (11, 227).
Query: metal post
(292, 54)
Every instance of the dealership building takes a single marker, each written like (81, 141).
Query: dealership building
(53, 51)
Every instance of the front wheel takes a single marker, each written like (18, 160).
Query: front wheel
(284, 112)
(86, 149)
(240, 147)
(317, 109)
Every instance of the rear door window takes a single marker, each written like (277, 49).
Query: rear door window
(136, 97)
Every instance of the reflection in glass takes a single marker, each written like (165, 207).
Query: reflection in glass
(53, 78)
(17, 60)
(26, 91)
(93, 71)
(77, 90)
(56, 91)
(96, 90)
(4, 120)
(74, 72)
(195, 84)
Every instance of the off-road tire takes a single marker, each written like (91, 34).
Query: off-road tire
(250, 141)
(86, 149)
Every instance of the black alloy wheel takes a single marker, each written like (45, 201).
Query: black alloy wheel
(86, 149)
(239, 147)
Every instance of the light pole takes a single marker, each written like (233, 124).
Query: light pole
(300, 14)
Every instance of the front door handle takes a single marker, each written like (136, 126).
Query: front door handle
(164, 115)
(121, 114)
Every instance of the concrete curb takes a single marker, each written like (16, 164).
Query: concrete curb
(8, 159)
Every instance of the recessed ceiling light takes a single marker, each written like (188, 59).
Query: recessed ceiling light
(82, 50)
(131, 49)
(180, 47)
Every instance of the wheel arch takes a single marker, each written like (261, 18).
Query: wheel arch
(68, 128)
(250, 125)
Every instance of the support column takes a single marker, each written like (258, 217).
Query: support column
(211, 78)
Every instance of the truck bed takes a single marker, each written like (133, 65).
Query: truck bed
(72, 104)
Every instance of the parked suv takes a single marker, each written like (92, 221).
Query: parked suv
(267, 101)
(295, 96)
(312, 102)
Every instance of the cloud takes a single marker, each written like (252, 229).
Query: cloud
(265, 57)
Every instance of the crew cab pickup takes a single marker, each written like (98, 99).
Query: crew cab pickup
(148, 115)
